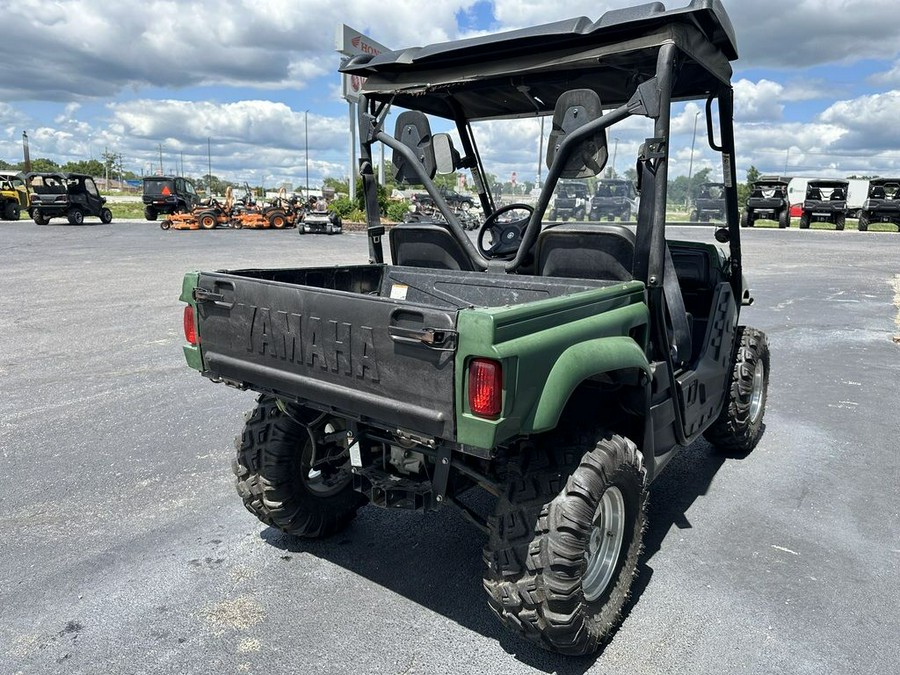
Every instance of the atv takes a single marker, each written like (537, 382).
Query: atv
(73, 196)
(768, 199)
(613, 199)
(13, 195)
(709, 204)
(557, 368)
(167, 195)
(882, 204)
(825, 202)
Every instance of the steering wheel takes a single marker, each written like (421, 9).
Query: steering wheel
(505, 232)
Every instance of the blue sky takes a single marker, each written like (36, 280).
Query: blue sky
(817, 83)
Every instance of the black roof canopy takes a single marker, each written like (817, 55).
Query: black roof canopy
(522, 73)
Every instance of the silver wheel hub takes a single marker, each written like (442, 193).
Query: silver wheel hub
(756, 392)
(605, 544)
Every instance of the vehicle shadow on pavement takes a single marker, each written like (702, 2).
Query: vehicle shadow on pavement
(435, 560)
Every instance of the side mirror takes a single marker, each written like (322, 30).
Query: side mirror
(446, 157)
(574, 109)
(414, 132)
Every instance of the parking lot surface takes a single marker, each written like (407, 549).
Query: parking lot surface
(125, 548)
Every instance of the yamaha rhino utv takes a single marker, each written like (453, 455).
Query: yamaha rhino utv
(825, 202)
(882, 204)
(557, 367)
(768, 199)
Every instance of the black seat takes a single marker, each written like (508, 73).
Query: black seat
(428, 245)
(837, 194)
(877, 192)
(757, 193)
(586, 251)
(814, 194)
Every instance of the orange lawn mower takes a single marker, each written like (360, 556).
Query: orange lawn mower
(204, 217)
(278, 214)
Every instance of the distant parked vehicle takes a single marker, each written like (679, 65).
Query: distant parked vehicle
(13, 195)
(570, 200)
(825, 202)
(882, 204)
(768, 199)
(710, 203)
(168, 195)
(320, 219)
(65, 195)
(613, 199)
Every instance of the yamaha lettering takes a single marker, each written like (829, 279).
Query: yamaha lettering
(311, 341)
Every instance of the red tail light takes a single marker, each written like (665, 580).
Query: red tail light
(485, 387)
(190, 326)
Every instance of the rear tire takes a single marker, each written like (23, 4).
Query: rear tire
(39, 218)
(274, 478)
(745, 219)
(564, 542)
(105, 216)
(277, 219)
(784, 219)
(11, 211)
(207, 220)
(150, 213)
(863, 223)
(804, 221)
(739, 426)
(76, 217)
(839, 221)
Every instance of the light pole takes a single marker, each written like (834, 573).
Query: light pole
(615, 152)
(306, 147)
(691, 163)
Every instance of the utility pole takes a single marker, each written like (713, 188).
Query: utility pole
(208, 168)
(160, 160)
(306, 147)
(691, 165)
(26, 153)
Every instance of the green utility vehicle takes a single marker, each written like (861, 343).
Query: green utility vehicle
(882, 203)
(768, 199)
(559, 368)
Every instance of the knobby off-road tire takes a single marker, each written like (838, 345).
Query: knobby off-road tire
(839, 221)
(76, 216)
(150, 213)
(39, 218)
(105, 216)
(738, 428)
(11, 211)
(804, 221)
(564, 542)
(863, 223)
(274, 478)
(745, 219)
(784, 219)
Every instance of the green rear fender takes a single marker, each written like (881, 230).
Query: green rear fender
(579, 363)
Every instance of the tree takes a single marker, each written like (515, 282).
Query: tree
(337, 185)
(40, 165)
(91, 167)
(744, 188)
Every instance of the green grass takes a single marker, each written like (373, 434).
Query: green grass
(850, 225)
(122, 210)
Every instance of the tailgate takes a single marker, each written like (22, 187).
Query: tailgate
(385, 361)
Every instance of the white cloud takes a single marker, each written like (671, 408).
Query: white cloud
(757, 101)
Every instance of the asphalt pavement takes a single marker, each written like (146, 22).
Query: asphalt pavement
(124, 547)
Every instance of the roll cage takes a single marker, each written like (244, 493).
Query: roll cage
(638, 60)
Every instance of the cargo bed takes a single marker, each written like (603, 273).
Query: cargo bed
(374, 342)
